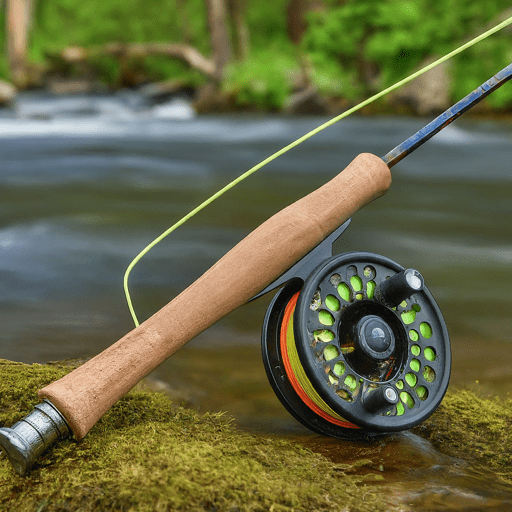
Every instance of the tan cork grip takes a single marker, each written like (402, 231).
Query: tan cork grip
(85, 394)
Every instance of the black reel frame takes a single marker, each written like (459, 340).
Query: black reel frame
(370, 338)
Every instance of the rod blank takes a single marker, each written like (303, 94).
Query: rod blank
(447, 117)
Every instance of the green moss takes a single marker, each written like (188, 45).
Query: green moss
(147, 453)
(475, 429)
(19, 384)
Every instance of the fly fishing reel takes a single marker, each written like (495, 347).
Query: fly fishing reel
(354, 345)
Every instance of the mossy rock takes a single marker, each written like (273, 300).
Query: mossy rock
(475, 429)
(149, 454)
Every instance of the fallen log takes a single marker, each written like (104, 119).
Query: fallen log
(182, 52)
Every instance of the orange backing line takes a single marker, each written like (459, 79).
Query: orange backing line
(288, 316)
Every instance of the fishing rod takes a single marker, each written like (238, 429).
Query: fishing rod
(353, 344)
(447, 117)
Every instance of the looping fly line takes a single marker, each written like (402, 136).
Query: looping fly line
(294, 144)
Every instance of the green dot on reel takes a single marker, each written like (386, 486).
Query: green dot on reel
(325, 317)
(344, 292)
(332, 303)
(357, 283)
(426, 330)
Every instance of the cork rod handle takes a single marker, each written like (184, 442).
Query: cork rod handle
(85, 394)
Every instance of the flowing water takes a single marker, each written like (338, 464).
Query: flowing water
(86, 183)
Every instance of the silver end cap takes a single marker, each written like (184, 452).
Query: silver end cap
(33, 435)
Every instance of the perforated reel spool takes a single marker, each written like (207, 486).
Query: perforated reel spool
(362, 352)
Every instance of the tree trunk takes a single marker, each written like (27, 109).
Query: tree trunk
(219, 37)
(237, 9)
(18, 20)
(295, 22)
(296, 17)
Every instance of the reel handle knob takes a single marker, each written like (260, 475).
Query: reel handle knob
(399, 287)
(380, 399)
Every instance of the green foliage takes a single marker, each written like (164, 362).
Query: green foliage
(267, 22)
(161, 68)
(264, 79)
(353, 47)
(478, 64)
(108, 68)
(4, 67)
(5, 73)
(362, 38)
(89, 23)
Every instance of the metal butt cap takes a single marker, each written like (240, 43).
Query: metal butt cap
(31, 436)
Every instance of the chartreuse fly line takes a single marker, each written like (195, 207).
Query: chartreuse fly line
(294, 144)
(296, 373)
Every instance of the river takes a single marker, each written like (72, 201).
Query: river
(87, 182)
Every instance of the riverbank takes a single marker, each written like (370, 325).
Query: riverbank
(423, 97)
(287, 56)
(149, 453)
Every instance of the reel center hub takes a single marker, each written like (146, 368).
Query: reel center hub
(375, 337)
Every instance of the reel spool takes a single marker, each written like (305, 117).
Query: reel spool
(354, 345)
